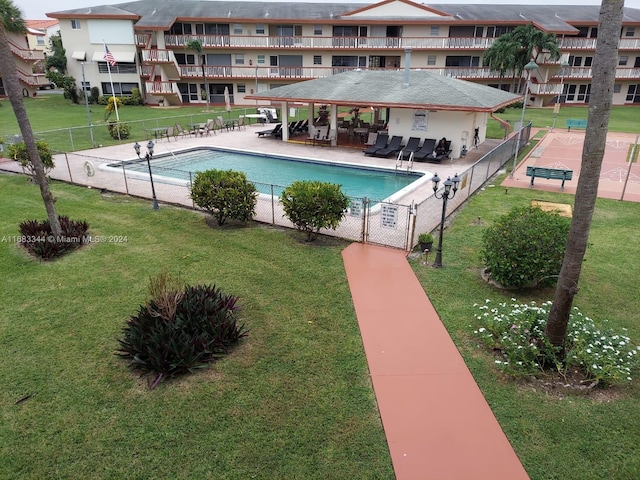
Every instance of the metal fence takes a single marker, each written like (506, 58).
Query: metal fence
(367, 220)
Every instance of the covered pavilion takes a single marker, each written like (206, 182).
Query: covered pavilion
(418, 103)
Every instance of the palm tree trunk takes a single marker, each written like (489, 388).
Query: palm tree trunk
(604, 69)
(14, 92)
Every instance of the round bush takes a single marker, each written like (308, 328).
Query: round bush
(525, 247)
(225, 194)
(312, 205)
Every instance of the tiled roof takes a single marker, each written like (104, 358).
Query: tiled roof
(41, 24)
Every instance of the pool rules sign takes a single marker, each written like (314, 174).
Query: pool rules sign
(389, 216)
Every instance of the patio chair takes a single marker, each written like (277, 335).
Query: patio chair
(180, 132)
(381, 142)
(240, 123)
(168, 133)
(426, 150)
(207, 128)
(272, 132)
(394, 146)
(437, 158)
(371, 140)
(411, 147)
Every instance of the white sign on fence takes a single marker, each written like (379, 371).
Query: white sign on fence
(355, 208)
(389, 216)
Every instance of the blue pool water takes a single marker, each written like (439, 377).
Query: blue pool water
(263, 170)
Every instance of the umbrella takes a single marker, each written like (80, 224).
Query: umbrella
(227, 100)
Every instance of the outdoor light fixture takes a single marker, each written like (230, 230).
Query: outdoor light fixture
(148, 157)
(450, 189)
(528, 68)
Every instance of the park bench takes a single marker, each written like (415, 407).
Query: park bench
(576, 123)
(549, 173)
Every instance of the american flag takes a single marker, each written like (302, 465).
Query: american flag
(108, 56)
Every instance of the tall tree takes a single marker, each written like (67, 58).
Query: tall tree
(502, 55)
(58, 59)
(11, 22)
(604, 70)
(196, 46)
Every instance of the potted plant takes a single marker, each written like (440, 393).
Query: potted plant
(426, 241)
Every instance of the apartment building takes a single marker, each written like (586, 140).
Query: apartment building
(250, 47)
(29, 61)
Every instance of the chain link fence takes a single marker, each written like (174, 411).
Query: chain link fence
(370, 221)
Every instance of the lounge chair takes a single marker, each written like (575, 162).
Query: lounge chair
(439, 157)
(381, 142)
(394, 146)
(180, 132)
(411, 147)
(272, 132)
(426, 150)
(372, 139)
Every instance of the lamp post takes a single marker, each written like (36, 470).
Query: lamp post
(528, 68)
(148, 156)
(450, 189)
(86, 104)
(556, 107)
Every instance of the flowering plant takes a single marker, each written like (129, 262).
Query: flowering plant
(517, 332)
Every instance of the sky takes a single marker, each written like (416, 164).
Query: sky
(36, 9)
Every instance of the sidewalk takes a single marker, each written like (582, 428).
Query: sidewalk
(437, 423)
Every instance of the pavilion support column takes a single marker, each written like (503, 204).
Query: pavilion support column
(285, 121)
(311, 117)
(333, 125)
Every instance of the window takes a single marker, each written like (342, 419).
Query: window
(237, 29)
(75, 24)
(633, 94)
(241, 88)
(118, 68)
(86, 86)
(317, 59)
(631, 32)
(317, 29)
(260, 29)
(617, 87)
(260, 59)
(622, 60)
(478, 31)
(120, 88)
(435, 31)
(239, 59)
(588, 61)
(39, 40)
(431, 60)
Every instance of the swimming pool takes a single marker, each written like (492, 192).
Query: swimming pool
(264, 170)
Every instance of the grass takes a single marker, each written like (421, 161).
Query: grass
(293, 401)
(555, 436)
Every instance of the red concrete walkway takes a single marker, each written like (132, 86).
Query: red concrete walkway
(437, 423)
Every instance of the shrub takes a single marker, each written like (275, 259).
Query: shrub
(119, 131)
(37, 238)
(312, 205)
(94, 95)
(112, 104)
(525, 247)
(178, 332)
(517, 331)
(225, 194)
(18, 151)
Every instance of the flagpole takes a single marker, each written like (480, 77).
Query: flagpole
(113, 92)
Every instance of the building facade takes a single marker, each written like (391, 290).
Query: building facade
(250, 47)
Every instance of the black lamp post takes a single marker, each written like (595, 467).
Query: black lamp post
(148, 156)
(450, 185)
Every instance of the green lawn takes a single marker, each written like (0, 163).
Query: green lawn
(293, 401)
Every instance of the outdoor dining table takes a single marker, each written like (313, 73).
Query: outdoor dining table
(197, 128)
(156, 131)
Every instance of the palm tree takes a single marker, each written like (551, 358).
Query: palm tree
(196, 46)
(533, 40)
(501, 56)
(11, 22)
(604, 69)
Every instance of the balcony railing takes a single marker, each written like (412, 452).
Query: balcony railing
(33, 80)
(355, 43)
(142, 39)
(581, 43)
(27, 55)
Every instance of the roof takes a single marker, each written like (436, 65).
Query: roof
(152, 14)
(41, 24)
(383, 88)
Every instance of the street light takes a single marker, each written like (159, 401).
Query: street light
(528, 68)
(450, 185)
(556, 107)
(86, 104)
(148, 156)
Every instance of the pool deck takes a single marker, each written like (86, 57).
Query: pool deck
(245, 140)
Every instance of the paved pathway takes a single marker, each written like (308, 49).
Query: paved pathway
(437, 423)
